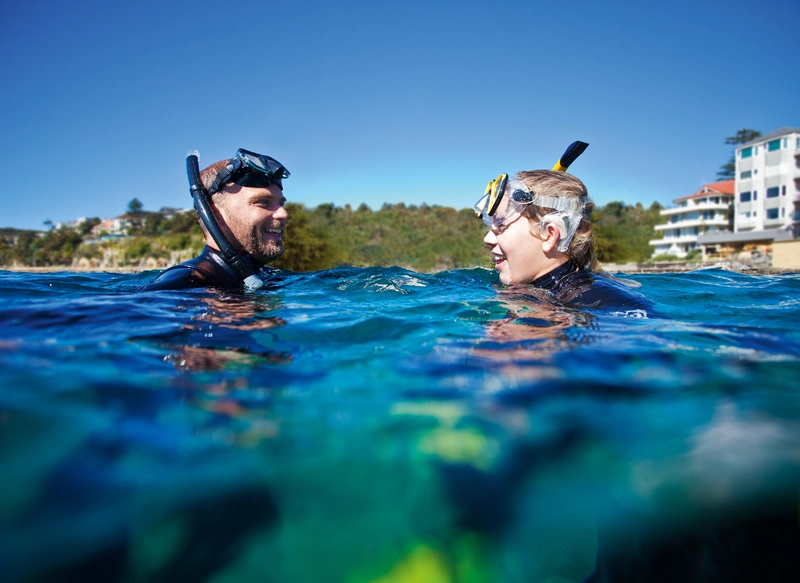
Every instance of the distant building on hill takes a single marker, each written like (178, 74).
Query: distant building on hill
(707, 211)
(116, 227)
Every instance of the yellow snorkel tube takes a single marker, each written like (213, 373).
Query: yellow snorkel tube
(571, 154)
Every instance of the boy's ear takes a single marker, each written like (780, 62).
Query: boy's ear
(550, 235)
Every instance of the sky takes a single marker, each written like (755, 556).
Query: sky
(380, 102)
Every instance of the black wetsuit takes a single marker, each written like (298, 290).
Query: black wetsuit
(579, 287)
(209, 269)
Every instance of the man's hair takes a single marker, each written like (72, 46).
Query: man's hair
(561, 185)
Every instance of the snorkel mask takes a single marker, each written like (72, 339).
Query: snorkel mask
(568, 212)
(246, 169)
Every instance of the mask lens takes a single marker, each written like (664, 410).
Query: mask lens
(269, 166)
(257, 180)
(482, 206)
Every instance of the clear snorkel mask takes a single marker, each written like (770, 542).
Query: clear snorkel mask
(567, 216)
(568, 212)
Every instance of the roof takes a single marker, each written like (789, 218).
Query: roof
(769, 235)
(723, 187)
(771, 136)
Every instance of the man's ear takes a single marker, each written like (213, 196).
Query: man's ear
(550, 236)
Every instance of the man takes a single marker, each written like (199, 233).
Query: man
(240, 206)
(540, 234)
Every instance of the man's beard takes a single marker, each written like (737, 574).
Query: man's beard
(263, 251)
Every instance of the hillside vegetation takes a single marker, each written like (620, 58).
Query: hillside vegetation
(422, 238)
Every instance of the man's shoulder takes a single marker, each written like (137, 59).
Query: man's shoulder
(205, 270)
(182, 276)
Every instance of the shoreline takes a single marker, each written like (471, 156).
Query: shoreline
(629, 268)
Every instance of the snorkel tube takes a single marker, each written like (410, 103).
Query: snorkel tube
(239, 260)
(571, 154)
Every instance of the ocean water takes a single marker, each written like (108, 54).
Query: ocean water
(376, 424)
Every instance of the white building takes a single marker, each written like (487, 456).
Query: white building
(767, 207)
(768, 182)
(707, 211)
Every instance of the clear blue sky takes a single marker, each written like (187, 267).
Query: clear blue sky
(379, 102)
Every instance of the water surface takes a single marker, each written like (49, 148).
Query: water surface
(382, 425)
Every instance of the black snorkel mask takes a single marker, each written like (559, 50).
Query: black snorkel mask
(246, 169)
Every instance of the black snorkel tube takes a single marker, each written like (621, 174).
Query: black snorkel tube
(239, 260)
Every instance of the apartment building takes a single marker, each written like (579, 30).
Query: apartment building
(767, 206)
(768, 182)
(707, 211)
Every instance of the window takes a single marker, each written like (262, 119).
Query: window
(773, 192)
(755, 195)
(746, 174)
(773, 145)
(744, 196)
(783, 213)
(772, 214)
(747, 152)
(783, 190)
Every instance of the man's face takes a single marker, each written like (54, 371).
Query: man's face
(254, 219)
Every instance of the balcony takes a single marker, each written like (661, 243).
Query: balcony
(708, 206)
(675, 240)
(716, 222)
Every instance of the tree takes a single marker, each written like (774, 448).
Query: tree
(728, 171)
(135, 206)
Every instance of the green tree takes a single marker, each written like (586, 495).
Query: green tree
(728, 171)
(623, 233)
(135, 206)
(308, 248)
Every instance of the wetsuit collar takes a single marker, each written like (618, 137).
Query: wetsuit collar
(229, 271)
(550, 279)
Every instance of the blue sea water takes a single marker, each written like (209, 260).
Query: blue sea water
(376, 424)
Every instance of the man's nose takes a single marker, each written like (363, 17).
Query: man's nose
(281, 214)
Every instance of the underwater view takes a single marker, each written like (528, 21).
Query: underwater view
(381, 425)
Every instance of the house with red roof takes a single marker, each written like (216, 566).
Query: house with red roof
(709, 210)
